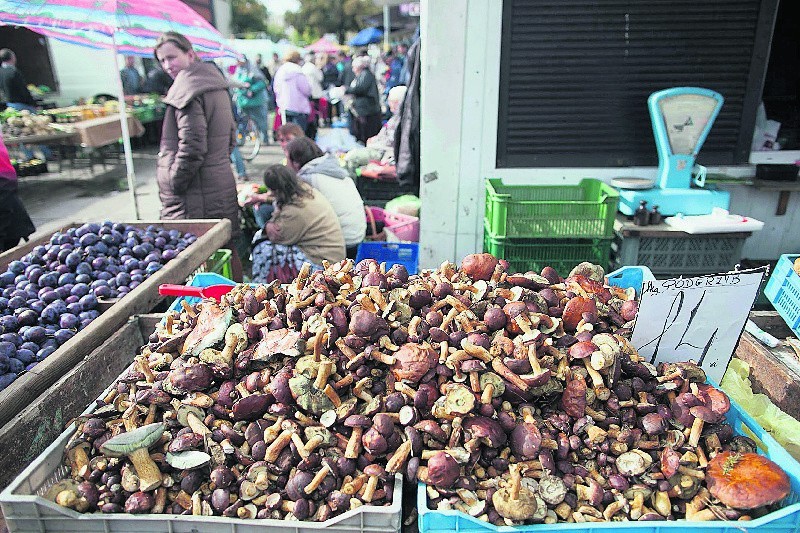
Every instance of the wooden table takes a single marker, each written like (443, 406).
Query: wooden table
(773, 371)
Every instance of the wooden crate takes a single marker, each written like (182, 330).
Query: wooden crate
(45, 416)
(211, 235)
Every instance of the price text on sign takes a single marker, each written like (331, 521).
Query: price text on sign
(695, 318)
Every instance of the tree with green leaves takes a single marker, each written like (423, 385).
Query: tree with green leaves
(250, 18)
(319, 17)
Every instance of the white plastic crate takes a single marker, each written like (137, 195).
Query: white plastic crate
(24, 510)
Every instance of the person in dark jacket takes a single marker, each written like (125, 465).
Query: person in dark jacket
(13, 85)
(365, 108)
(194, 173)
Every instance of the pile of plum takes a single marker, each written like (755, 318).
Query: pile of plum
(50, 294)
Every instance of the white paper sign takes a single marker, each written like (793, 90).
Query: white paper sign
(695, 318)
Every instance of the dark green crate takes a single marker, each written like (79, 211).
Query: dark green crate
(535, 254)
(583, 211)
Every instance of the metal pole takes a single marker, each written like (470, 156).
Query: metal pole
(126, 135)
(386, 28)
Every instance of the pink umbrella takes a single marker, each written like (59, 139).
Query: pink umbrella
(124, 26)
(323, 46)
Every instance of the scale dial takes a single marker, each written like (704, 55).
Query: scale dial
(685, 118)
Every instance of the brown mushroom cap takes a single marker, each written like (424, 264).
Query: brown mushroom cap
(746, 481)
(472, 365)
(374, 470)
(582, 350)
(705, 414)
(714, 399)
(574, 310)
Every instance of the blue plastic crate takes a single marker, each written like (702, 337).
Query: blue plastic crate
(784, 520)
(404, 253)
(203, 279)
(630, 276)
(783, 291)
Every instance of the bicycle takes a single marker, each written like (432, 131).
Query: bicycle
(248, 137)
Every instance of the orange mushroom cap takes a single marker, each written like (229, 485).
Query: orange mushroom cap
(746, 481)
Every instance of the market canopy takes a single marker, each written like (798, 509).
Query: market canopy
(324, 46)
(367, 36)
(131, 27)
(121, 26)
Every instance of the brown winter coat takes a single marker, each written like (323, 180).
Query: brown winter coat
(194, 173)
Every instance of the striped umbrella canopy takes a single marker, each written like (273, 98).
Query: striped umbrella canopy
(129, 26)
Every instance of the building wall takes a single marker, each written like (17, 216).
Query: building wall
(460, 91)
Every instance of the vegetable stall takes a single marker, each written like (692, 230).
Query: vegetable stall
(512, 398)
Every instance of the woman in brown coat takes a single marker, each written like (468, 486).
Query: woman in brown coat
(194, 173)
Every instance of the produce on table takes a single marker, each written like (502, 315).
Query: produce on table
(52, 293)
(515, 398)
(24, 123)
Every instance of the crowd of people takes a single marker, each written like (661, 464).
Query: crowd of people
(311, 210)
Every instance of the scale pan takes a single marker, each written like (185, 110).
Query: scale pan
(638, 184)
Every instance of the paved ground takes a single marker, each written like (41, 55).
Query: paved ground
(78, 195)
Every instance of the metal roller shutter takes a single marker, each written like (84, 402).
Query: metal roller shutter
(575, 76)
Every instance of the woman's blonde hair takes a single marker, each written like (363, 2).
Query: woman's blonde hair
(178, 39)
(293, 56)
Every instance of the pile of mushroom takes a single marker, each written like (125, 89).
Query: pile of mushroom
(516, 398)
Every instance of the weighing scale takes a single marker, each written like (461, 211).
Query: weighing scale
(681, 118)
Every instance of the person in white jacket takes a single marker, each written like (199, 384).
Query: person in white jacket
(323, 172)
(314, 75)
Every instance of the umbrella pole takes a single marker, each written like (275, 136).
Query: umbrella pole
(386, 28)
(126, 135)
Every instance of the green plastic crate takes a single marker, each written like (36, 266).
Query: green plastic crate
(583, 211)
(535, 254)
(218, 263)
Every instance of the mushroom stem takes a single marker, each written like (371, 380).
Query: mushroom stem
(478, 352)
(146, 469)
(345, 349)
(397, 460)
(313, 443)
(354, 444)
(597, 379)
(488, 393)
(506, 373)
(359, 389)
(277, 446)
(694, 434)
(537, 369)
(330, 392)
(449, 318)
(354, 485)
(344, 382)
(272, 432)
(516, 482)
(323, 372)
(444, 350)
(369, 492)
(474, 382)
(317, 346)
(317, 480)
(301, 446)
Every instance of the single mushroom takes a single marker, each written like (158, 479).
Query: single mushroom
(526, 438)
(308, 397)
(134, 444)
(212, 323)
(375, 473)
(746, 480)
(514, 501)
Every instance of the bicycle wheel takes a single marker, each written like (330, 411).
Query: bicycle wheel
(250, 140)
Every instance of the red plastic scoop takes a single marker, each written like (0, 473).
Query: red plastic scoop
(212, 291)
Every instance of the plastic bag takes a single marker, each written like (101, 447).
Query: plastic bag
(783, 427)
(407, 204)
(337, 140)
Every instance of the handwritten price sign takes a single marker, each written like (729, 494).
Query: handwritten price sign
(695, 318)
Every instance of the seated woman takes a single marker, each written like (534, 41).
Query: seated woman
(303, 229)
(323, 172)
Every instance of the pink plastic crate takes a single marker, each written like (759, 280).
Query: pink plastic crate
(404, 227)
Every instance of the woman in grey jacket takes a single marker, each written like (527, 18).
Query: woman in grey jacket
(194, 173)
(323, 172)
